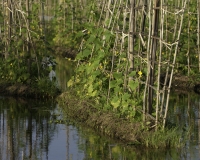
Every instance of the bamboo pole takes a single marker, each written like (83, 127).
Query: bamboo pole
(131, 39)
(181, 14)
(188, 31)
(158, 94)
(146, 89)
(155, 25)
(9, 27)
(198, 32)
(28, 36)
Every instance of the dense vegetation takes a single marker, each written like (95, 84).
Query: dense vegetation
(128, 50)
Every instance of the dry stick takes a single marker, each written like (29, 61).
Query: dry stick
(117, 15)
(117, 31)
(198, 31)
(103, 8)
(145, 104)
(112, 67)
(141, 30)
(159, 63)
(64, 16)
(112, 13)
(169, 46)
(72, 18)
(5, 26)
(123, 40)
(155, 25)
(9, 26)
(174, 61)
(188, 50)
(140, 18)
(113, 54)
(106, 19)
(28, 36)
(131, 40)
(107, 13)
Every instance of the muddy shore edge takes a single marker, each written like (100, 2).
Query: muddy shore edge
(103, 122)
(23, 90)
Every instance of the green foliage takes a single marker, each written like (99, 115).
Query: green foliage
(97, 78)
(164, 138)
(46, 87)
(13, 70)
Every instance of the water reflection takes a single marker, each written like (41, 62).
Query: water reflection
(185, 112)
(34, 130)
(28, 130)
(64, 71)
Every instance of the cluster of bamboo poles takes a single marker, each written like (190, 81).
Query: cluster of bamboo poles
(21, 22)
(152, 30)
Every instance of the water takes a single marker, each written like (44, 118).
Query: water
(30, 130)
(35, 130)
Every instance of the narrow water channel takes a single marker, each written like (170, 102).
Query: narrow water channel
(35, 130)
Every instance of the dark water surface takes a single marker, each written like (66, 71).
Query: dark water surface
(34, 130)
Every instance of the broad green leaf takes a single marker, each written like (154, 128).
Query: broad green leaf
(133, 85)
(117, 89)
(120, 81)
(90, 80)
(115, 102)
(133, 73)
(93, 66)
(113, 83)
(126, 96)
(95, 73)
(91, 39)
(79, 34)
(90, 89)
(101, 55)
(125, 104)
(70, 83)
(117, 75)
(97, 47)
(93, 94)
(86, 52)
(79, 56)
(107, 35)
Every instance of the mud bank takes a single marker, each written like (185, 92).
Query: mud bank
(22, 90)
(104, 122)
